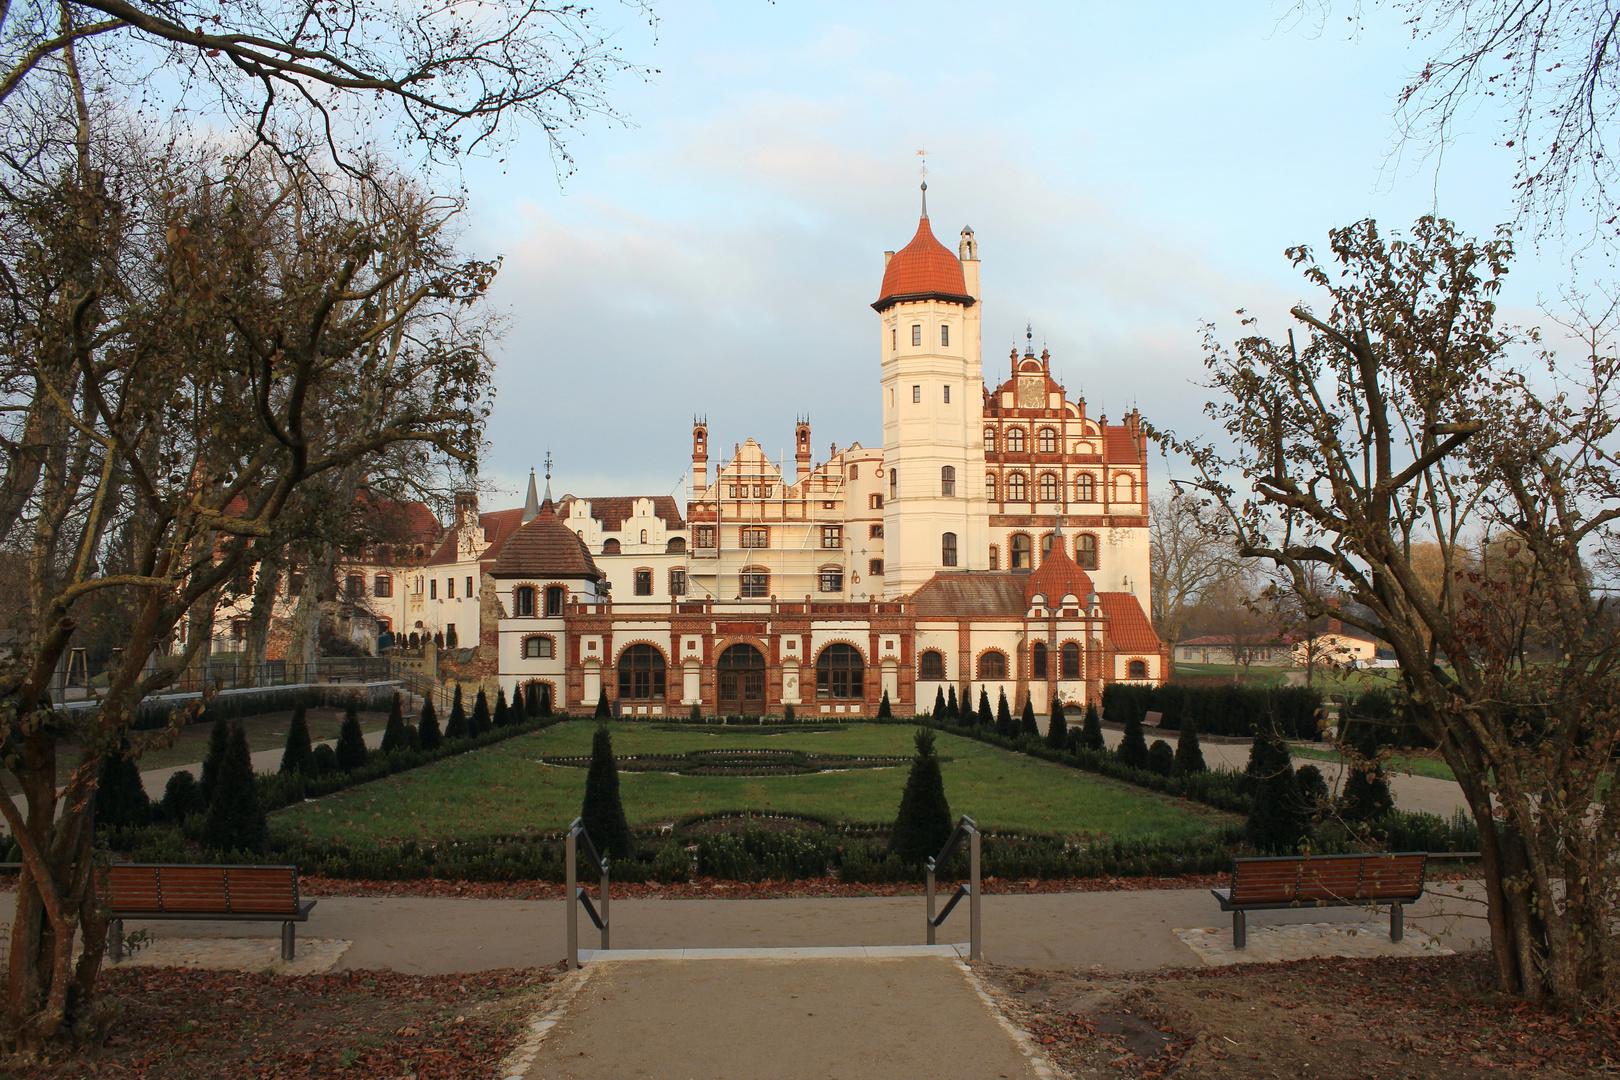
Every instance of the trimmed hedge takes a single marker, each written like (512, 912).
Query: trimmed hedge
(1231, 711)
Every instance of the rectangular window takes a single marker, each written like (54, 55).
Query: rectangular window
(433, 588)
(643, 582)
(733, 491)
(383, 585)
(916, 334)
(894, 482)
(755, 537)
(753, 584)
(875, 532)
(894, 339)
(875, 501)
(705, 536)
(756, 491)
(916, 394)
(944, 335)
(832, 580)
(450, 588)
(995, 557)
(832, 536)
(767, 491)
(469, 587)
(947, 481)
(947, 393)
(875, 568)
(677, 583)
(947, 549)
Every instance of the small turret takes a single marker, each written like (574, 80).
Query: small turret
(700, 453)
(801, 443)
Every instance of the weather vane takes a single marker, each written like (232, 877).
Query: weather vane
(548, 463)
(923, 153)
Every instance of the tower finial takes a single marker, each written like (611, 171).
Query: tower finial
(923, 153)
(925, 198)
(548, 474)
(1029, 339)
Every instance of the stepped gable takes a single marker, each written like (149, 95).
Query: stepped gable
(545, 548)
(1059, 576)
(1128, 624)
(969, 593)
(924, 269)
(614, 510)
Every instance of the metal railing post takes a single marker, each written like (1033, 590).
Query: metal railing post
(975, 951)
(606, 922)
(571, 897)
(931, 927)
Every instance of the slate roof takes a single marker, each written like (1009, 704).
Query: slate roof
(1128, 625)
(545, 548)
(971, 593)
(613, 510)
(923, 269)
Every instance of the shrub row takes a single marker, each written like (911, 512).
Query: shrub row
(155, 713)
(1230, 710)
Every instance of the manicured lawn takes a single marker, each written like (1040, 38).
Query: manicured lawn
(506, 789)
(1417, 766)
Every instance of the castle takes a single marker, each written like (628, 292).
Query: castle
(998, 539)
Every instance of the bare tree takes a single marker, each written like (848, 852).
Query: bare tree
(1188, 553)
(1401, 422)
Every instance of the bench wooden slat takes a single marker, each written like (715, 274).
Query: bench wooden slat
(1326, 879)
(203, 890)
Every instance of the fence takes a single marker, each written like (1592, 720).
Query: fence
(79, 680)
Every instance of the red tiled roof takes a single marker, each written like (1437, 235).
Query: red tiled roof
(923, 268)
(982, 592)
(399, 522)
(1121, 446)
(545, 548)
(499, 527)
(613, 510)
(1058, 576)
(1128, 625)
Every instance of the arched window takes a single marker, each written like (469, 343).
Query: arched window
(947, 480)
(1046, 440)
(1085, 551)
(1071, 660)
(382, 585)
(554, 599)
(610, 547)
(641, 673)
(1020, 552)
(1015, 487)
(989, 440)
(1049, 487)
(993, 665)
(1136, 669)
(1037, 660)
(754, 583)
(931, 666)
(643, 536)
(1085, 488)
(840, 672)
(947, 549)
(676, 545)
(538, 648)
(523, 602)
(1046, 548)
(990, 486)
(1015, 440)
(830, 579)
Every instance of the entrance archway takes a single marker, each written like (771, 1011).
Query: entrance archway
(741, 679)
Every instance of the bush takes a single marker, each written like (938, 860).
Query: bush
(696, 714)
(939, 703)
(182, 797)
(351, 744)
(1160, 758)
(1276, 824)
(1189, 755)
(758, 855)
(1057, 727)
(121, 799)
(503, 713)
(1366, 791)
(324, 760)
(884, 712)
(218, 739)
(1314, 797)
(544, 697)
(394, 736)
(531, 701)
(603, 810)
(1091, 734)
(672, 864)
(479, 722)
(456, 726)
(923, 823)
(603, 709)
(235, 819)
(952, 709)
(295, 754)
(788, 715)
(1027, 725)
(1226, 710)
(427, 728)
(1005, 727)
(1133, 749)
(987, 719)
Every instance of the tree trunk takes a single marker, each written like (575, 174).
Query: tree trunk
(266, 590)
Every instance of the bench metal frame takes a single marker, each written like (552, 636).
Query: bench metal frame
(1397, 901)
(288, 920)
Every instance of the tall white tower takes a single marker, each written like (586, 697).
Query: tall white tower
(935, 517)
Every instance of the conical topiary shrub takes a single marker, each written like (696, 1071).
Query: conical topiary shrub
(603, 711)
(924, 822)
(603, 810)
(1057, 727)
(479, 721)
(121, 799)
(987, 719)
(427, 727)
(502, 715)
(235, 818)
(394, 737)
(1004, 721)
(218, 738)
(182, 797)
(1027, 726)
(1091, 734)
(952, 709)
(1189, 756)
(351, 744)
(296, 753)
(884, 711)
(456, 726)
(1276, 823)
(939, 703)
(531, 701)
(696, 714)
(544, 698)
(1133, 749)
(1366, 791)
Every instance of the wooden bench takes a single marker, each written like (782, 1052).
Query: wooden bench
(1296, 881)
(147, 891)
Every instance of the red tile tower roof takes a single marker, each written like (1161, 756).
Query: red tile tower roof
(1058, 576)
(924, 269)
(545, 547)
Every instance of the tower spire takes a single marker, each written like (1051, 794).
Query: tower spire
(531, 505)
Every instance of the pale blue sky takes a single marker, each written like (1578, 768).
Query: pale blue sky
(1129, 170)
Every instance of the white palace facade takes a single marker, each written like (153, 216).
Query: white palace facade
(998, 538)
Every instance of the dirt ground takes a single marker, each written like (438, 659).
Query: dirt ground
(1435, 1019)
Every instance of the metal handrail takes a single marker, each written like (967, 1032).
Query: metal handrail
(574, 893)
(969, 828)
